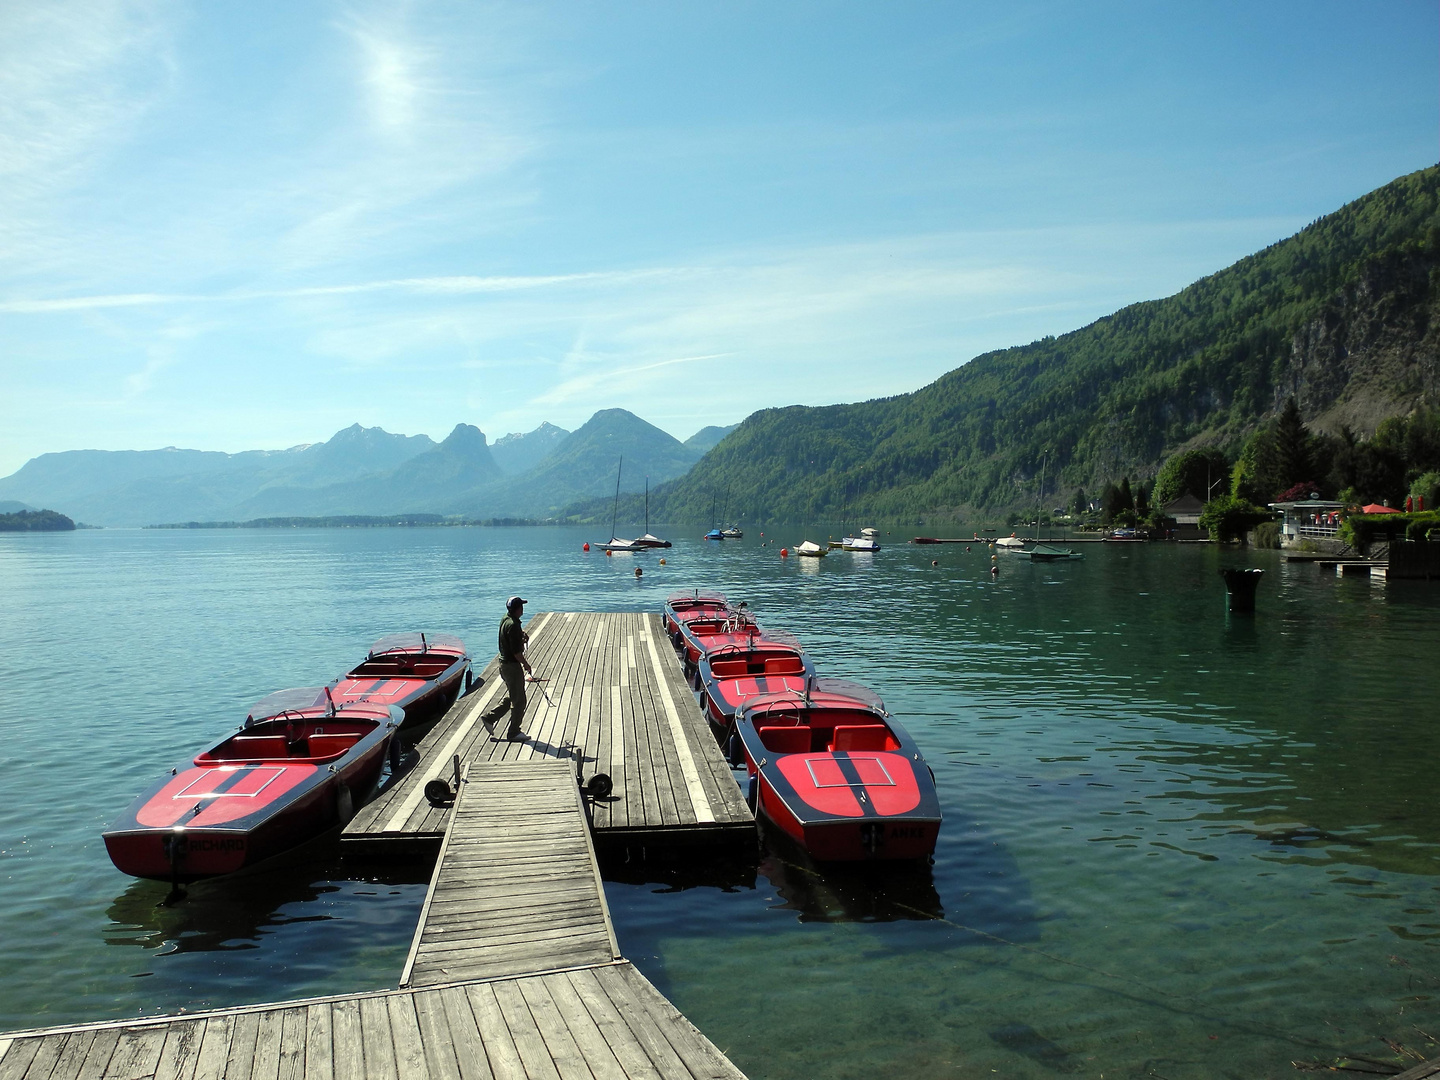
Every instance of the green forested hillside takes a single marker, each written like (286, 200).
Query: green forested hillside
(1338, 316)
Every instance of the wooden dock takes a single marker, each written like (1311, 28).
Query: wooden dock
(601, 1022)
(616, 702)
(514, 972)
(516, 888)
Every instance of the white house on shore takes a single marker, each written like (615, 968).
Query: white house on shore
(1308, 519)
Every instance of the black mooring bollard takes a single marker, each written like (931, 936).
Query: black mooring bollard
(1240, 589)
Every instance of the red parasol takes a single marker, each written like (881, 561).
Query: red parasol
(1376, 508)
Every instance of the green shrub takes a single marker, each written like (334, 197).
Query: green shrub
(1427, 486)
(1362, 530)
(1230, 517)
(1267, 534)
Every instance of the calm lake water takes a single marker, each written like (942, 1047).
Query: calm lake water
(1177, 843)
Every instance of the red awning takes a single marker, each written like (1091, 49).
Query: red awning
(1376, 508)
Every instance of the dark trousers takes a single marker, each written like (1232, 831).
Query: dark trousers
(513, 676)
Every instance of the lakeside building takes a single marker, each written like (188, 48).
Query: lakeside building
(1316, 520)
(1185, 512)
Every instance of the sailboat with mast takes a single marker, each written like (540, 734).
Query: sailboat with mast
(648, 541)
(716, 532)
(1041, 551)
(616, 544)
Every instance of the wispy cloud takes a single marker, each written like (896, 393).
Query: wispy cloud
(450, 285)
(76, 80)
(610, 373)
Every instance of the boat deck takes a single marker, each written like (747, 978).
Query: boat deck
(615, 702)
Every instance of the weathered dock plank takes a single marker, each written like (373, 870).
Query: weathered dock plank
(516, 888)
(614, 700)
(605, 1021)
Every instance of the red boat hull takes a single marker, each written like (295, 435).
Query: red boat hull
(851, 839)
(257, 793)
(839, 776)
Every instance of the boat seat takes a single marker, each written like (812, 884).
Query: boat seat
(863, 737)
(328, 746)
(786, 740)
(251, 748)
(783, 665)
(722, 669)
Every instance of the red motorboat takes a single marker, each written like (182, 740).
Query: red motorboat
(683, 607)
(422, 675)
(299, 766)
(730, 675)
(699, 636)
(831, 769)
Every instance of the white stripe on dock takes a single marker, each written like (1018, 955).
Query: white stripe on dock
(696, 790)
(617, 733)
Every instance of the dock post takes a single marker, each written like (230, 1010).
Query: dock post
(1240, 588)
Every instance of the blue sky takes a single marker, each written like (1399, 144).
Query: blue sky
(238, 226)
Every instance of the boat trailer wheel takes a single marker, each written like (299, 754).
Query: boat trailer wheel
(439, 793)
(598, 786)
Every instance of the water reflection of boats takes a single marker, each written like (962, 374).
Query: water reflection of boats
(236, 912)
(850, 893)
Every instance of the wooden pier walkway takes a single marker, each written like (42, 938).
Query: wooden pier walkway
(514, 972)
(596, 1022)
(616, 699)
(516, 888)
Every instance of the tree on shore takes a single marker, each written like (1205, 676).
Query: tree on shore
(1194, 472)
(36, 521)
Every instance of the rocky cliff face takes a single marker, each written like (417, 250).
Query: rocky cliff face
(1373, 352)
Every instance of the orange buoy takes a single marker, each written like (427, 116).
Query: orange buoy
(784, 554)
(638, 571)
(609, 552)
(586, 546)
(662, 562)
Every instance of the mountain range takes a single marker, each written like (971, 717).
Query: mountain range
(359, 471)
(1344, 317)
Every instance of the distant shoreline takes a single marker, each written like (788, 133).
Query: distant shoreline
(398, 521)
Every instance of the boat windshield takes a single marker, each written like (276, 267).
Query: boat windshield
(309, 697)
(853, 690)
(694, 597)
(779, 639)
(415, 642)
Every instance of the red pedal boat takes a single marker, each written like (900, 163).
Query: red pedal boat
(421, 675)
(730, 675)
(299, 766)
(832, 770)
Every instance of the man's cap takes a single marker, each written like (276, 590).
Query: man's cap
(515, 600)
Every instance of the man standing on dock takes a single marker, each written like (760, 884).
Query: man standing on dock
(513, 669)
